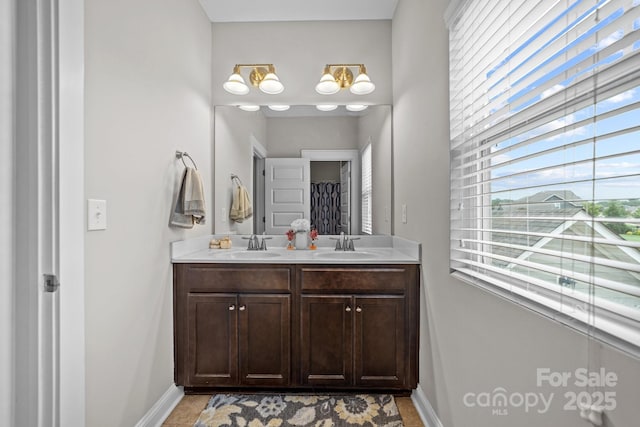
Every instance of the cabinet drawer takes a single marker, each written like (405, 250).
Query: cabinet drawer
(352, 279)
(235, 278)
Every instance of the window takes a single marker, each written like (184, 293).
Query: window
(545, 158)
(367, 222)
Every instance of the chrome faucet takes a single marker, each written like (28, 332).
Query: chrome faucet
(256, 244)
(253, 243)
(263, 244)
(344, 242)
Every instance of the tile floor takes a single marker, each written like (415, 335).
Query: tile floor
(187, 411)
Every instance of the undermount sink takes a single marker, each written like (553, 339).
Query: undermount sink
(253, 255)
(346, 255)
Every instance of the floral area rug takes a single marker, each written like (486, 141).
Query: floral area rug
(275, 410)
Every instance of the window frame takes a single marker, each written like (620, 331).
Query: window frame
(597, 317)
(366, 196)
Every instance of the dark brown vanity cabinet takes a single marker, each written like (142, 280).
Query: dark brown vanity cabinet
(353, 341)
(296, 326)
(364, 339)
(225, 338)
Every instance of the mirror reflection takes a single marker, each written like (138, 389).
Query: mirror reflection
(330, 167)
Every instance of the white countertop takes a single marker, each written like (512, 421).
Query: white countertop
(369, 250)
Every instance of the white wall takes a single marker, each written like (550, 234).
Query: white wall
(374, 128)
(287, 136)
(148, 93)
(299, 51)
(236, 132)
(471, 341)
(7, 182)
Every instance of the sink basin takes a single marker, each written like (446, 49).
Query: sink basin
(346, 255)
(253, 255)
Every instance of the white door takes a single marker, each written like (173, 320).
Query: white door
(287, 193)
(345, 197)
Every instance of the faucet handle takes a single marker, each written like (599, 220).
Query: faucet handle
(338, 242)
(253, 242)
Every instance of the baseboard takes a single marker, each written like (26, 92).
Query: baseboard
(424, 408)
(162, 408)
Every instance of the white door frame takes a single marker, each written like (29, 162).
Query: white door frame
(258, 178)
(59, 28)
(352, 156)
(72, 212)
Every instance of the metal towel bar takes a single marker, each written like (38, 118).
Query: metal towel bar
(182, 154)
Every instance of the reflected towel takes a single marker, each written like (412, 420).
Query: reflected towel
(241, 206)
(189, 207)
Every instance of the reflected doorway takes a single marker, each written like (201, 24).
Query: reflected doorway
(330, 196)
(258, 193)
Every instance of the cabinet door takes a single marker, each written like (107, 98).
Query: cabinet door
(327, 340)
(212, 339)
(265, 338)
(380, 341)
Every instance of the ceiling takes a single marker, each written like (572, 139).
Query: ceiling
(297, 10)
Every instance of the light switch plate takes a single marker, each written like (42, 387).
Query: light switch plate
(96, 214)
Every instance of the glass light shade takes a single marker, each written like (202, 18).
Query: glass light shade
(249, 107)
(327, 85)
(356, 107)
(271, 84)
(236, 85)
(362, 85)
(279, 107)
(326, 107)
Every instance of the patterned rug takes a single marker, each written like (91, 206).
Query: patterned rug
(275, 410)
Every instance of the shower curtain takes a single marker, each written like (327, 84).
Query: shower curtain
(325, 207)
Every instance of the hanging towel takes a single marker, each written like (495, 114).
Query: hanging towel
(241, 205)
(194, 196)
(189, 207)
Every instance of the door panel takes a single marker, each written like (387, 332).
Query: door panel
(327, 345)
(287, 193)
(264, 339)
(380, 341)
(213, 346)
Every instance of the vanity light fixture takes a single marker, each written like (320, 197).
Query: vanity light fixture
(249, 107)
(356, 107)
(326, 107)
(279, 107)
(262, 76)
(342, 77)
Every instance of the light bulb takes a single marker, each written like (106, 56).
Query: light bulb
(327, 85)
(236, 85)
(356, 107)
(271, 84)
(362, 85)
(279, 107)
(326, 107)
(249, 107)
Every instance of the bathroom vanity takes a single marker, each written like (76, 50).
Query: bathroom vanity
(297, 319)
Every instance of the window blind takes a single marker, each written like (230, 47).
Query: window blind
(545, 157)
(367, 187)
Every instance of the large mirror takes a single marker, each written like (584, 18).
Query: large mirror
(331, 167)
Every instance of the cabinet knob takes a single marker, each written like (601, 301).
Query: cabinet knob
(232, 307)
(348, 309)
(358, 309)
(242, 307)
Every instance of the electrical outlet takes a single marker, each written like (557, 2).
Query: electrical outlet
(387, 214)
(96, 214)
(404, 214)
